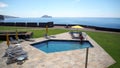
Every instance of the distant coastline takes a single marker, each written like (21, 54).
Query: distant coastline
(2, 17)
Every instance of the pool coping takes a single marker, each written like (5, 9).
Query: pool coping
(94, 44)
(67, 59)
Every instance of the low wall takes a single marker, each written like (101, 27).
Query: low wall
(51, 24)
(27, 24)
(21, 24)
(21, 35)
(43, 24)
(9, 24)
(92, 27)
(32, 24)
(1, 23)
(107, 29)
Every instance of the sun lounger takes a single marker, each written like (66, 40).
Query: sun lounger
(14, 41)
(22, 57)
(15, 54)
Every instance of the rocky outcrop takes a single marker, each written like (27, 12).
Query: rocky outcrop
(46, 16)
(1, 17)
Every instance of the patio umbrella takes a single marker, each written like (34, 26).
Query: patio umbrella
(77, 27)
(7, 39)
(16, 35)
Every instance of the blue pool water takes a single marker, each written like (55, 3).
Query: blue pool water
(60, 45)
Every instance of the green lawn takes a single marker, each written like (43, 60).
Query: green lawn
(108, 41)
(41, 33)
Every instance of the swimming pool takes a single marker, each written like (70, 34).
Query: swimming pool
(51, 46)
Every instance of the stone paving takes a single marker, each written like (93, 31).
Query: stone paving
(98, 57)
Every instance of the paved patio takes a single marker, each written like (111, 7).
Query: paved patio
(98, 57)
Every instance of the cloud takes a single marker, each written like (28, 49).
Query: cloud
(2, 5)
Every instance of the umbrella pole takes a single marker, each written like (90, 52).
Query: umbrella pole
(16, 34)
(86, 60)
(46, 30)
(7, 39)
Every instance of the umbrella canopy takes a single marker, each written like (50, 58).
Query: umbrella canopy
(77, 27)
(7, 39)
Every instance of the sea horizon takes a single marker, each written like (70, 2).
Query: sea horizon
(90, 21)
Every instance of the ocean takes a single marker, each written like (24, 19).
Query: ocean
(100, 22)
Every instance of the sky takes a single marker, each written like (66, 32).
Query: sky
(60, 8)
